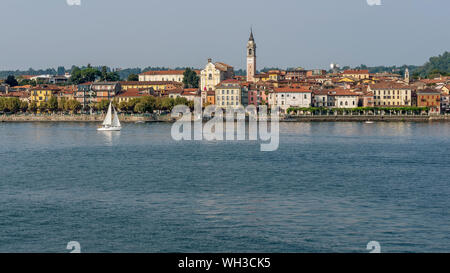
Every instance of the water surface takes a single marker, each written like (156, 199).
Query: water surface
(330, 187)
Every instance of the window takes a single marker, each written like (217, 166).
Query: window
(210, 75)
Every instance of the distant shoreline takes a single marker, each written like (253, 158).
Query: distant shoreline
(168, 118)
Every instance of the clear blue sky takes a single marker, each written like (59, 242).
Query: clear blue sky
(288, 33)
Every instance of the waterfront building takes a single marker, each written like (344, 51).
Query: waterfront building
(163, 76)
(131, 93)
(213, 74)
(105, 90)
(341, 98)
(320, 98)
(42, 94)
(287, 97)
(391, 94)
(230, 94)
(84, 94)
(211, 97)
(154, 85)
(429, 98)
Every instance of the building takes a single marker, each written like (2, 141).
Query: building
(251, 58)
(316, 72)
(230, 94)
(153, 85)
(342, 98)
(105, 90)
(296, 74)
(213, 74)
(429, 98)
(130, 94)
(287, 97)
(320, 98)
(357, 74)
(163, 75)
(387, 94)
(42, 94)
(84, 94)
(211, 97)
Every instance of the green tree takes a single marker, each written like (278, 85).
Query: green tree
(11, 80)
(42, 107)
(190, 78)
(75, 75)
(103, 105)
(167, 104)
(89, 74)
(73, 105)
(133, 78)
(62, 104)
(52, 104)
(24, 106)
(104, 73)
(12, 105)
(33, 107)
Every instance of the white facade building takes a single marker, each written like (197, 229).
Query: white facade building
(290, 97)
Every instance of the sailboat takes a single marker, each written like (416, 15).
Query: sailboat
(111, 122)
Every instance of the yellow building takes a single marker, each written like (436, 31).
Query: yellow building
(357, 74)
(42, 94)
(391, 94)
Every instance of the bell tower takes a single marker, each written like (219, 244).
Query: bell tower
(251, 58)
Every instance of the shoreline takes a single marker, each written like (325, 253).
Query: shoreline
(168, 118)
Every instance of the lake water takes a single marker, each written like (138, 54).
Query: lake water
(330, 187)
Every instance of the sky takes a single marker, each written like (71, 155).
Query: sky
(175, 33)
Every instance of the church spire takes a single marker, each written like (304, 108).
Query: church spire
(251, 35)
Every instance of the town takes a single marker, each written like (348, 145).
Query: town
(295, 91)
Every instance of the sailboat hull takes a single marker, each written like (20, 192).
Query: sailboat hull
(109, 129)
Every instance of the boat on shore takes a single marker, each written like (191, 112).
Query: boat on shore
(111, 122)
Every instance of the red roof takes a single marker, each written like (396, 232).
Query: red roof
(292, 90)
(351, 71)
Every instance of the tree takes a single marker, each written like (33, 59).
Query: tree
(24, 106)
(133, 78)
(103, 105)
(61, 70)
(62, 104)
(42, 107)
(89, 74)
(112, 77)
(73, 106)
(75, 75)
(33, 107)
(167, 104)
(190, 78)
(52, 104)
(11, 81)
(104, 73)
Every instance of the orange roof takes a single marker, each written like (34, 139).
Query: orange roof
(292, 90)
(389, 85)
(132, 92)
(354, 71)
(342, 92)
(167, 72)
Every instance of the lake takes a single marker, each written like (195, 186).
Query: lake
(330, 187)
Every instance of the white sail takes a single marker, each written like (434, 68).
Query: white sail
(116, 121)
(108, 119)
